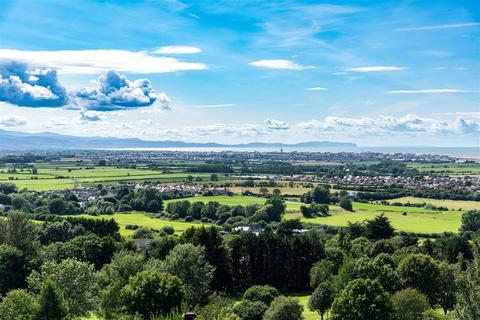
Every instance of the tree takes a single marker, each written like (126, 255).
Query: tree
(124, 264)
(379, 228)
(152, 292)
(468, 287)
(75, 279)
(419, 271)
(216, 253)
(362, 299)
(409, 304)
(446, 286)
(12, 269)
(51, 304)
(18, 231)
(214, 177)
(321, 299)
(188, 263)
(470, 221)
(250, 310)
(57, 206)
(264, 293)
(346, 203)
(287, 227)
(320, 272)
(18, 305)
(275, 208)
(284, 308)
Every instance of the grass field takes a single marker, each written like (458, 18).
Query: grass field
(416, 220)
(451, 169)
(450, 204)
(66, 177)
(143, 220)
(239, 201)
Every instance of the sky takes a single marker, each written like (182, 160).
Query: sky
(376, 73)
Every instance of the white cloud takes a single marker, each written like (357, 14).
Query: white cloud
(12, 121)
(276, 124)
(450, 68)
(441, 26)
(177, 50)
(427, 91)
(91, 116)
(279, 64)
(317, 89)
(116, 92)
(375, 69)
(30, 87)
(98, 61)
(223, 105)
(384, 125)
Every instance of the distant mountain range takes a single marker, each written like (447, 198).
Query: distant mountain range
(12, 140)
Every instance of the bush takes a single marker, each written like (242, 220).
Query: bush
(284, 308)
(409, 304)
(264, 294)
(168, 230)
(250, 310)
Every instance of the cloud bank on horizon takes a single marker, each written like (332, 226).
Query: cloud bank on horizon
(281, 71)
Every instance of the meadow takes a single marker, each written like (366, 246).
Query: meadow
(450, 204)
(144, 220)
(409, 219)
(53, 177)
(451, 169)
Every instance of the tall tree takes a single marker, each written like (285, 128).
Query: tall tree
(321, 299)
(468, 286)
(379, 228)
(51, 304)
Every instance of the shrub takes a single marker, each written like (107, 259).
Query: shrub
(265, 294)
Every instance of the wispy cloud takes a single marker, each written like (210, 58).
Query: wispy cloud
(440, 26)
(375, 69)
(12, 121)
(450, 68)
(177, 50)
(98, 61)
(446, 90)
(223, 105)
(279, 64)
(317, 89)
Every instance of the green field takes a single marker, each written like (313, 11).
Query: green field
(416, 220)
(54, 177)
(450, 204)
(143, 220)
(450, 169)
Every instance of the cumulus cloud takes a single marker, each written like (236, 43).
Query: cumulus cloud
(91, 116)
(30, 87)
(375, 69)
(279, 64)
(276, 124)
(445, 90)
(12, 121)
(116, 92)
(177, 50)
(98, 61)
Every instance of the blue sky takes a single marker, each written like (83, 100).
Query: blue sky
(370, 72)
